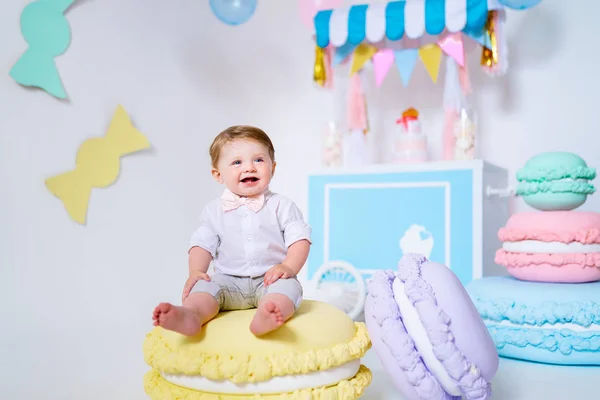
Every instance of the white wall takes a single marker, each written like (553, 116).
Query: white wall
(77, 300)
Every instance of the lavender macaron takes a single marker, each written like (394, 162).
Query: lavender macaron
(428, 334)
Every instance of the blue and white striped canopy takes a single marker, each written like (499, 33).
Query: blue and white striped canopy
(413, 18)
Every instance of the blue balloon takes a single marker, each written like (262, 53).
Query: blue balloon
(233, 12)
(520, 4)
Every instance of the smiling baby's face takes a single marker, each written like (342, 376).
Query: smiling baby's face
(245, 167)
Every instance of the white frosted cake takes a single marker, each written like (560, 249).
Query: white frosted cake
(410, 144)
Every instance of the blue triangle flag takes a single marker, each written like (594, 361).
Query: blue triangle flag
(405, 61)
(342, 52)
(482, 37)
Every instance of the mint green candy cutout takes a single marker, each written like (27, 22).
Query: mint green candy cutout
(48, 35)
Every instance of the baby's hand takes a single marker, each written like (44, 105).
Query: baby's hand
(277, 272)
(191, 281)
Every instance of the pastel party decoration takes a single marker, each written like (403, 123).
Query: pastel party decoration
(548, 310)
(434, 29)
(520, 4)
(393, 20)
(452, 45)
(48, 35)
(552, 246)
(428, 334)
(405, 62)
(357, 108)
(431, 55)
(382, 62)
(341, 53)
(306, 359)
(97, 165)
(309, 8)
(362, 54)
(409, 146)
(541, 322)
(556, 180)
(233, 12)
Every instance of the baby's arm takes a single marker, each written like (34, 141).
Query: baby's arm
(297, 255)
(203, 244)
(296, 234)
(198, 260)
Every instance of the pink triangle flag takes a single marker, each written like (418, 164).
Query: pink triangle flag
(382, 61)
(452, 45)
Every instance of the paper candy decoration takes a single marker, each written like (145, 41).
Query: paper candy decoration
(97, 165)
(48, 35)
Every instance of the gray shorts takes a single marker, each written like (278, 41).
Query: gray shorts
(242, 292)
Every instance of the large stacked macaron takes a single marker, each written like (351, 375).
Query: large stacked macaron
(548, 310)
(315, 355)
(555, 243)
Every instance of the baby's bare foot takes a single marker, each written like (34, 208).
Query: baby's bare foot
(178, 319)
(268, 317)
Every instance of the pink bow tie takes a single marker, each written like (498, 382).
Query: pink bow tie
(231, 201)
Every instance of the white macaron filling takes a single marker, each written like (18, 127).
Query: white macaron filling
(417, 332)
(536, 246)
(547, 325)
(278, 384)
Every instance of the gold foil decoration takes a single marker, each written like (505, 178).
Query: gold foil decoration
(489, 56)
(319, 72)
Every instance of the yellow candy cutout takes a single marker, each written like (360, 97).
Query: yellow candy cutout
(97, 165)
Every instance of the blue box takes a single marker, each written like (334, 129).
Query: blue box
(369, 216)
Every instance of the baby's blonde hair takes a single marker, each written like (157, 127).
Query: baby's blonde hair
(239, 132)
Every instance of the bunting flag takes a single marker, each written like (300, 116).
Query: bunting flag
(452, 45)
(482, 38)
(382, 61)
(363, 53)
(341, 53)
(431, 55)
(405, 62)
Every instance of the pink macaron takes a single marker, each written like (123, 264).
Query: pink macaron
(551, 246)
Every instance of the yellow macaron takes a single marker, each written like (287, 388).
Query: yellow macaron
(316, 354)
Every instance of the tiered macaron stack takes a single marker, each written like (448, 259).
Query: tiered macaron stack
(548, 310)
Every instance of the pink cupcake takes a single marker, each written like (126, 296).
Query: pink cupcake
(551, 246)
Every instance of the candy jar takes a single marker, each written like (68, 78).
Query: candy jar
(332, 146)
(464, 132)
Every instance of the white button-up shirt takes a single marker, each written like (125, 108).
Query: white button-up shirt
(247, 243)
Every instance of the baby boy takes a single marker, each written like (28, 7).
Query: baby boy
(257, 240)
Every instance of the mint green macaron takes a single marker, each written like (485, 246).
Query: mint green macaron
(555, 181)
